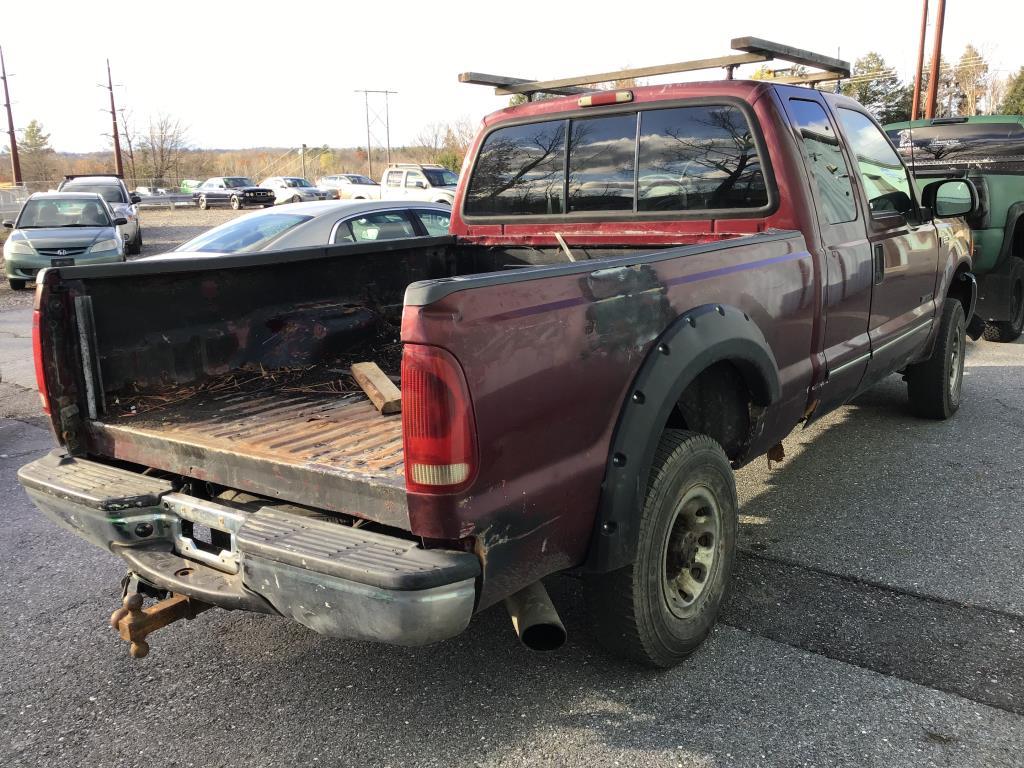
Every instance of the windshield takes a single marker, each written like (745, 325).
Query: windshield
(245, 234)
(961, 143)
(109, 192)
(291, 181)
(441, 178)
(234, 182)
(356, 179)
(38, 214)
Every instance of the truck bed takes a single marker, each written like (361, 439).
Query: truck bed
(269, 442)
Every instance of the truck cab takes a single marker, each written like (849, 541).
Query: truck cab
(406, 181)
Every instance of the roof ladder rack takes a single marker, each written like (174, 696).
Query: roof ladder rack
(751, 51)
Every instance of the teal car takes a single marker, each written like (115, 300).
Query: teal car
(61, 229)
(989, 150)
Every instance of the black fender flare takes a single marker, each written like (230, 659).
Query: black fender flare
(1014, 214)
(696, 340)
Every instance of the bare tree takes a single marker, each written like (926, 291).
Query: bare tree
(971, 77)
(161, 148)
(129, 139)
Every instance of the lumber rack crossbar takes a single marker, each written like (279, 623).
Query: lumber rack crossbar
(751, 50)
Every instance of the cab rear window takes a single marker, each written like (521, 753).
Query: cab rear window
(675, 160)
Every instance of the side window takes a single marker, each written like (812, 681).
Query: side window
(825, 160)
(885, 180)
(380, 226)
(601, 163)
(393, 179)
(412, 177)
(434, 222)
(520, 170)
(698, 158)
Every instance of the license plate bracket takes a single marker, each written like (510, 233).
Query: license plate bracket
(64, 262)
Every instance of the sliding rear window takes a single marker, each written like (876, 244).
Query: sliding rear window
(679, 160)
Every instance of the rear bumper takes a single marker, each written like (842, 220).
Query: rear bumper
(335, 579)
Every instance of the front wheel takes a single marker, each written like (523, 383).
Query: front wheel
(1010, 330)
(135, 246)
(17, 285)
(934, 386)
(203, 205)
(235, 203)
(659, 609)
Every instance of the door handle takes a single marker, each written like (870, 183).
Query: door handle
(879, 261)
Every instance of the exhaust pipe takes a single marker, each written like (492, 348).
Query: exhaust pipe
(535, 619)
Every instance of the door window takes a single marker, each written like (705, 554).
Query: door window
(825, 161)
(412, 177)
(393, 179)
(434, 222)
(390, 225)
(885, 180)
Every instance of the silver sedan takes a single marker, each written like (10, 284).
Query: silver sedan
(333, 222)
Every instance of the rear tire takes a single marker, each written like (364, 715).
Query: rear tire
(934, 386)
(1006, 331)
(295, 199)
(659, 609)
(17, 285)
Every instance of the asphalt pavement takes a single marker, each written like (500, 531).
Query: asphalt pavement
(877, 619)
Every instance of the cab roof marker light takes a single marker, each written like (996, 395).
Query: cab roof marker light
(602, 99)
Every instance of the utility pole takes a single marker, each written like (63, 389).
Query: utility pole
(935, 72)
(118, 165)
(303, 161)
(373, 117)
(15, 162)
(915, 108)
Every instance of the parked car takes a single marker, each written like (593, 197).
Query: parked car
(411, 181)
(988, 150)
(61, 229)
(123, 203)
(351, 186)
(294, 189)
(317, 224)
(236, 191)
(582, 368)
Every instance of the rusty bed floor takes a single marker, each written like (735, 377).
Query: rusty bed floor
(270, 442)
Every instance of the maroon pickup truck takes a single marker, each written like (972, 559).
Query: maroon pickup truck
(639, 294)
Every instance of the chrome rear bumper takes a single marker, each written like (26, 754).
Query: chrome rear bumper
(268, 557)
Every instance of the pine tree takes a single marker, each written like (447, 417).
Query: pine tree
(37, 156)
(1013, 102)
(875, 85)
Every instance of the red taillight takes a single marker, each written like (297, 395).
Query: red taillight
(37, 354)
(437, 421)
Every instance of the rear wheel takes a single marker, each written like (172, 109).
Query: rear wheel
(659, 609)
(934, 386)
(17, 285)
(235, 202)
(295, 199)
(1010, 330)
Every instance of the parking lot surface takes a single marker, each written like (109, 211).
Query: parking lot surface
(877, 619)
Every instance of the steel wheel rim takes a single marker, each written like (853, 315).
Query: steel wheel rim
(956, 367)
(690, 560)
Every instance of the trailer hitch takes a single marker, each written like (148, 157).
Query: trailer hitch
(134, 623)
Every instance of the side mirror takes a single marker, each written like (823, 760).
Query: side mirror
(419, 184)
(8, 224)
(120, 222)
(951, 197)
(135, 199)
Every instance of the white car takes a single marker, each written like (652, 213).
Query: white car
(294, 189)
(351, 186)
(411, 181)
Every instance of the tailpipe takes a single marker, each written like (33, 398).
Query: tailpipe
(535, 619)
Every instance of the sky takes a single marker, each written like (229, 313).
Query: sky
(279, 74)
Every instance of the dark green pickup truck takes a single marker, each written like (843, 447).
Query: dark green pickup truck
(989, 150)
